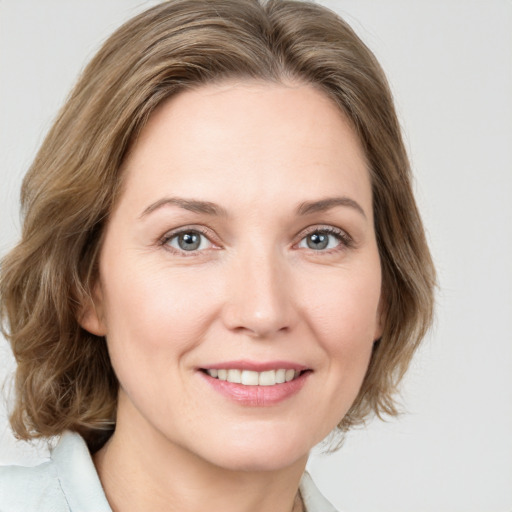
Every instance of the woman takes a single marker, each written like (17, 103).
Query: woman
(221, 262)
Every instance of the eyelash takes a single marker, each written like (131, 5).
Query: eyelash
(164, 241)
(345, 240)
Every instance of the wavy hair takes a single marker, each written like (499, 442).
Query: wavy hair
(64, 379)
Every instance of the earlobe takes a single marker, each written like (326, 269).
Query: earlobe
(381, 319)
(91, 316)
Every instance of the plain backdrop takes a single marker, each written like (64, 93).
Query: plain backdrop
(449, 63)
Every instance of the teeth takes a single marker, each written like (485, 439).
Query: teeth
(268, 378)
(251, 378)
(234, 376)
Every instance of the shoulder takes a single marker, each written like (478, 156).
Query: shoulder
(68, 481)
(31, 488)
(312, 498)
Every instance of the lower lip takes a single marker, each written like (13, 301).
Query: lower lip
(257, 396)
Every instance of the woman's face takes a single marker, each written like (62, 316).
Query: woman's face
(242, 248)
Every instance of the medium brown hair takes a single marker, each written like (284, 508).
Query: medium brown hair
(64, 379)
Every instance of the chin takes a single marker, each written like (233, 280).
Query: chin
(254, 462)
(257, 453)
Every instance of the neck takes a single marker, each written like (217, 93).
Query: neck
(159, 475)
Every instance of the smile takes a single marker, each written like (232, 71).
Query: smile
(256, 383)
(254, 378)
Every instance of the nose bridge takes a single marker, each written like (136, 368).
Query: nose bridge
(259, 298)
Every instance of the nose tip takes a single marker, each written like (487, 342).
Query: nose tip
(258, 323)
(259, 302)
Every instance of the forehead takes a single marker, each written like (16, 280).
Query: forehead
(250, 140)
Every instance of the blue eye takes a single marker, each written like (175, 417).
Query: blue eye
(188, 241)
(323, 239)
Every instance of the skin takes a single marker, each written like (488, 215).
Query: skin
(254, 290)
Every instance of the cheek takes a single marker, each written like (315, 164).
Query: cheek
(343, 312)
(154, 319)
(345, 305)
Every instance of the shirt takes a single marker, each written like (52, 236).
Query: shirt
(68, 482)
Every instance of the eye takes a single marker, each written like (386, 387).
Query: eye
(324, 239)
(188, 241)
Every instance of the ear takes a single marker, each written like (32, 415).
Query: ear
(91, 313)
(381, 317)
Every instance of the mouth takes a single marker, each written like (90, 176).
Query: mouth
(256, 383)
(255, 378)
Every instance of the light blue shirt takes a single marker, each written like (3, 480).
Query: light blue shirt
(68, 482)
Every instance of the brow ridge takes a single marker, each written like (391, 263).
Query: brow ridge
(192, 205)
(209, 208)
(322, 205)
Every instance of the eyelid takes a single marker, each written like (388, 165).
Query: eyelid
(203, 230)
(344, 237)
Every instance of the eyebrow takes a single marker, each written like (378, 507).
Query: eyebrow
(309, 207)
(192, 205)
(209, 208)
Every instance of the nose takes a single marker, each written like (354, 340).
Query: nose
(259, 296)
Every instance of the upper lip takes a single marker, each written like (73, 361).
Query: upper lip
(256, 366)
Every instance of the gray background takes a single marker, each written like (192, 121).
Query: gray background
(450, 67)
